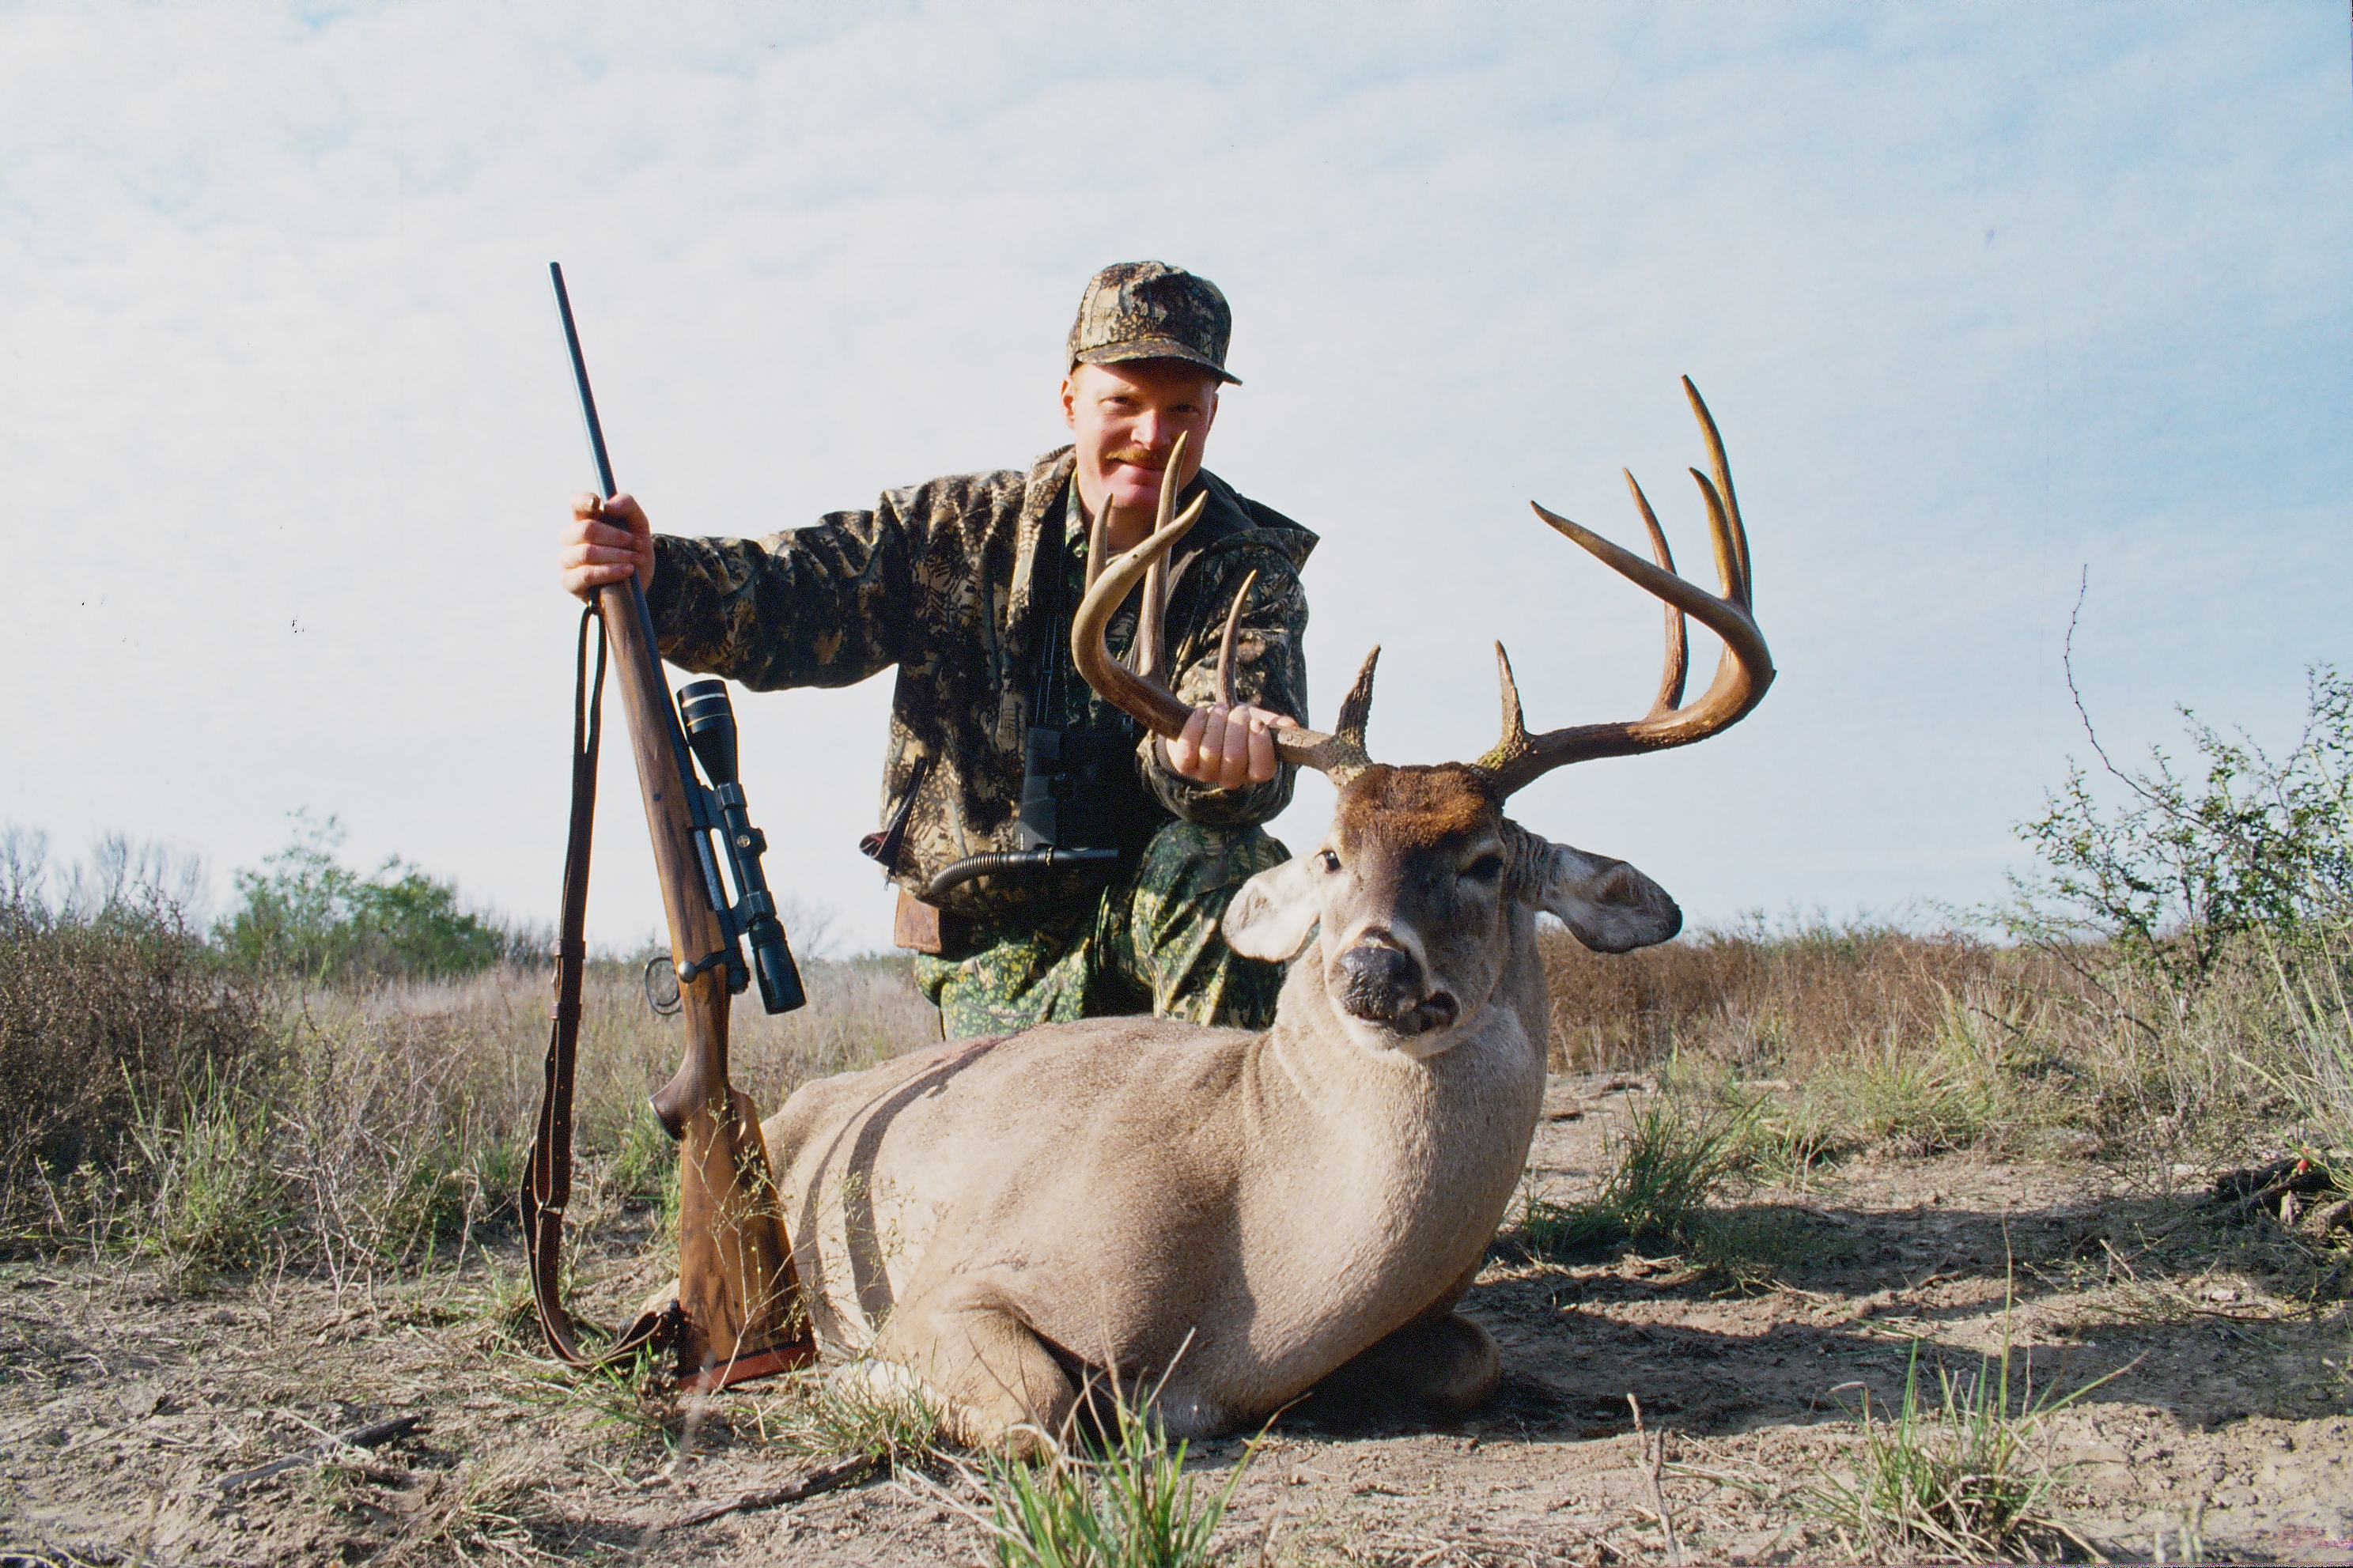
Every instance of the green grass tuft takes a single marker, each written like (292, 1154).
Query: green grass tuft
(1668, 1160)
(1969, 1479)
(645, 1165)
(1749, 1248)
(218, 1200)
(869, 1408)
(1123, 1502)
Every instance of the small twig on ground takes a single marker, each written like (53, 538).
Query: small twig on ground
(375, 1435)
(824, 1479)
(1654, 1451)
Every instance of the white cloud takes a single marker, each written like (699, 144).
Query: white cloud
(1980, 297)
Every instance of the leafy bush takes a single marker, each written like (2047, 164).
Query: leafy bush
(2176, 876)
(312, 917)
(2203, 882)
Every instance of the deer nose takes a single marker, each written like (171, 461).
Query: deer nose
(1377, 981)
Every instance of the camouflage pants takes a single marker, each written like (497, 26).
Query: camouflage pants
(1149, 944)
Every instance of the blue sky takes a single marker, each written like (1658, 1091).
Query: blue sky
(1985, 298)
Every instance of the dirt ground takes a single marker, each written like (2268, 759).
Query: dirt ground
(122, 1405)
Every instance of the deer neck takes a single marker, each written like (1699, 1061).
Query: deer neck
(1378, 1127)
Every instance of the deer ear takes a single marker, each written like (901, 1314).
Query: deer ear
(1271, 917)
(1610, 906)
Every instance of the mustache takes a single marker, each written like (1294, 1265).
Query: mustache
(1143, 454)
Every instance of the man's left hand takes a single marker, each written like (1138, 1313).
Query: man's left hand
(1227, 747)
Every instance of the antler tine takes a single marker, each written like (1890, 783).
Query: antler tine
(1340, 755)
(1678, 661)
(1724, 486)
(1226, 643)
(1356, 707)
(1098, 541)
(1151, 703)
(1742, 673)
(1150, 657)
(1515, 722)
(1151, 654)
(1720, 541)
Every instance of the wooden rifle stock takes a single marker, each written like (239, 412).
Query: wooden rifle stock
(738, 1292)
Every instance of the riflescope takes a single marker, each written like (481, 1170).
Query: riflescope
(709, 720)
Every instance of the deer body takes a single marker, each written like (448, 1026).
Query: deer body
(1232, 1214)
(1227, 1217)
(1113, 1190)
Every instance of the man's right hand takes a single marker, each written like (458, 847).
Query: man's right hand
(603, 542)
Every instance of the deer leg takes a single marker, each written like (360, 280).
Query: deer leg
(995, 1380)
(1441, 1361)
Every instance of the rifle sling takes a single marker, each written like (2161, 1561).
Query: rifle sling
(547, 1185)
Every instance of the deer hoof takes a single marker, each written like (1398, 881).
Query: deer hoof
(1446, 1366)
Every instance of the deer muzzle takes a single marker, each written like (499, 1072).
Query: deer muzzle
(1382, 984)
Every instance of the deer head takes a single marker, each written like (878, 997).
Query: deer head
(1422, 889)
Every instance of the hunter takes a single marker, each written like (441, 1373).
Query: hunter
(968, 584)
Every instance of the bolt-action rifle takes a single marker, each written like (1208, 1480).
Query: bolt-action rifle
(738, 1313)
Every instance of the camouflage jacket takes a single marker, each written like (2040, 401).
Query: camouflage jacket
(940, 580)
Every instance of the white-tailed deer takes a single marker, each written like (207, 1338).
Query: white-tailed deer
(1232, 1218)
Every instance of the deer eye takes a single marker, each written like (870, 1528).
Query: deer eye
(1485, 869)
(1330, 862)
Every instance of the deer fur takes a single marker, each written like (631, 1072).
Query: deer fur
(1223, 1218)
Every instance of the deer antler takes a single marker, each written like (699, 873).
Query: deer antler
(1742, 674)
(1517, 759)
(1142, 695)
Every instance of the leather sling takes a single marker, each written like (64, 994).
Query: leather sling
(548, 1184)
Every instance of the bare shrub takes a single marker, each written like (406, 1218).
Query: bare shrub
(113, 1017)
(399, 1116)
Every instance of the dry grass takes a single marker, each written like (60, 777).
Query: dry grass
(165, 1107)
(354, 1132)
(1920, 1045)
(1755, 1000)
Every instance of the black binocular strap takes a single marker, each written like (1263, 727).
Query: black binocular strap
(547, 1182)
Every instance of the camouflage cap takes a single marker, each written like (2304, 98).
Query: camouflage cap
(1149, 310)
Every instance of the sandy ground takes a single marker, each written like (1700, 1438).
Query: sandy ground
(122, 1407)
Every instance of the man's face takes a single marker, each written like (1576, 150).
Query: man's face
(1126, 417)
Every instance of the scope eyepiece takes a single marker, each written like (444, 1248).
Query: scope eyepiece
(709, 720)
(772, 961)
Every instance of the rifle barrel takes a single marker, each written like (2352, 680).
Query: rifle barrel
(580, 375)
